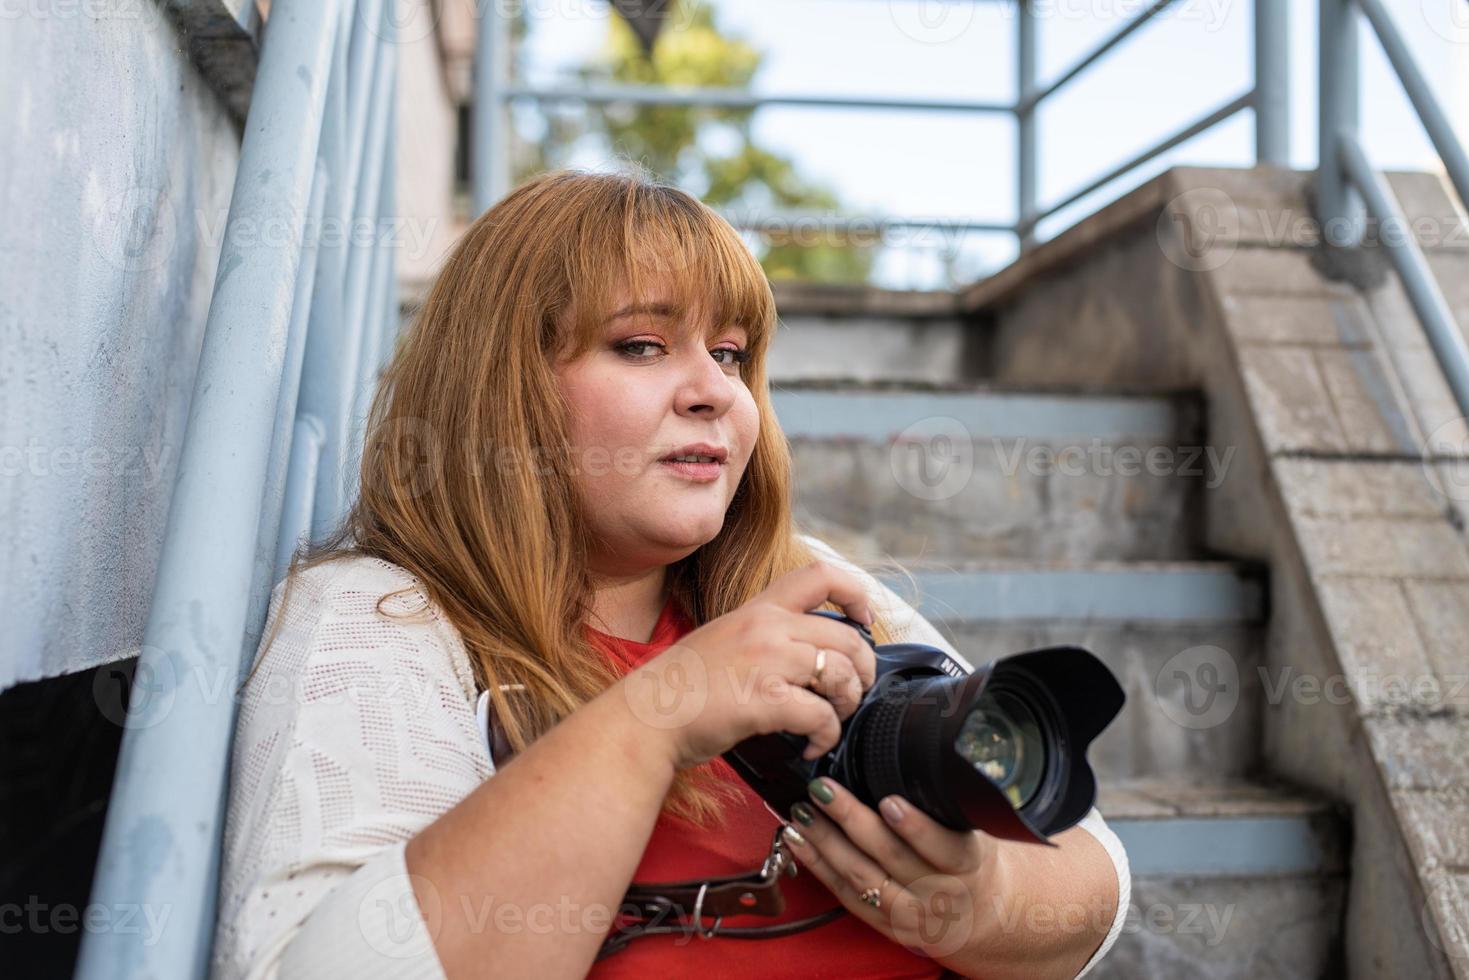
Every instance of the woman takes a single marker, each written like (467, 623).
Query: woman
(526, 541)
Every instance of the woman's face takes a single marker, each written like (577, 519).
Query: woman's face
(651, 386)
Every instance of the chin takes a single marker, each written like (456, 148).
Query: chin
(693, 532)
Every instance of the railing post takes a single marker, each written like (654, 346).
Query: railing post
(490, 126)
(1342, 214)
(160, 843)
(1025, 118)
(1272, 83)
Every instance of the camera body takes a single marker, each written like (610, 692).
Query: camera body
(1001, 748)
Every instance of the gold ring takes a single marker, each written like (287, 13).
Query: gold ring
(873, 896)
(820, 664)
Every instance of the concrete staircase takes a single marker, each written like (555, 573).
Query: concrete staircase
(1032, 516)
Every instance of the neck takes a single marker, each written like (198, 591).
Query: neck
(627, 606)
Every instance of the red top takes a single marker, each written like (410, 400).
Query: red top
(845, 947)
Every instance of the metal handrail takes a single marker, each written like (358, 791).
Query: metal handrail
(1348, 190)
(270, 417)
(1268, 98)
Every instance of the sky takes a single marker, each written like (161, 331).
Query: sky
(1187, 61)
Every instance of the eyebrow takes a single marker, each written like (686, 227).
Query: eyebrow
(651, 309)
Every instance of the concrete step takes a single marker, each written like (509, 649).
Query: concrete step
(1183, 639)
(963, 471)
(1230, 879)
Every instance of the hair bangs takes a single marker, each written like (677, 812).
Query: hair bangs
(661, 247)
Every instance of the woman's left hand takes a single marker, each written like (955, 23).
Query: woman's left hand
(931, 881)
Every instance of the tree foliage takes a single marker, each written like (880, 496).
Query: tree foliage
(709, 150)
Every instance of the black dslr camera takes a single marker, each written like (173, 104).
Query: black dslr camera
(1002, 749)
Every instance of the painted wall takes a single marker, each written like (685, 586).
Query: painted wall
(115, 177)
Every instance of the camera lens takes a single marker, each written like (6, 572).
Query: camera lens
(1001, 739)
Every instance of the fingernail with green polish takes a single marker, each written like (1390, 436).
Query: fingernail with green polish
(802, 812)
(821, 791)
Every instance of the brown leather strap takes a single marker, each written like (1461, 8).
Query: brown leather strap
(655, 907)
(755, 893)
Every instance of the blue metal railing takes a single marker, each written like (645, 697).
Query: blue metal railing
(1349, 190)
(297, 326)
(1269, 98)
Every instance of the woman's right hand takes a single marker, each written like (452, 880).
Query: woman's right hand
(749, 672)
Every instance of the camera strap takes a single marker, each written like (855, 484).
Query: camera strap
(651, 908)
(688, 903)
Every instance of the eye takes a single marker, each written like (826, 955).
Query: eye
(736, 355)
(627, 347)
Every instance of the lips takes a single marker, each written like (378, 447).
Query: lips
(698, 452)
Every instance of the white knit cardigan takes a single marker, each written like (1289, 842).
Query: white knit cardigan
(357, 732)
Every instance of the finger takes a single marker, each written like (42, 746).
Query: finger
(838, 682)
(951, 851)
(810, 585)
(860, 825)
(821, 850)
(934, 916)
(823, 632)
(804, 712)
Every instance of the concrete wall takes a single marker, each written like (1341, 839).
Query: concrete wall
(115, 179)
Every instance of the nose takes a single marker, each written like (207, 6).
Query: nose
(705, 389)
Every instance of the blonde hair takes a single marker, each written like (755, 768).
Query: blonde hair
(456, 483)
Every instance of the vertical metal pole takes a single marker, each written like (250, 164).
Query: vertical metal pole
(1342, 214)
(333, 353)
(160, 844)
(1272, 83)
(490, 155)
(1025, 118)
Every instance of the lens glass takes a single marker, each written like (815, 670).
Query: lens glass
(1001, 738)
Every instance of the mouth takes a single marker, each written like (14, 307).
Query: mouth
(701, 463)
